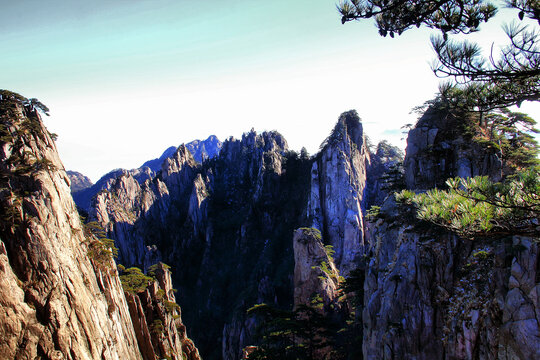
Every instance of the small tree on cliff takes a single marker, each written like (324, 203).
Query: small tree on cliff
(493, 83)
(296, 335)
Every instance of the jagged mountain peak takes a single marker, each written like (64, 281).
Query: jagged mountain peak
(267, 141)
(348, 127)
(200, 149)
(205, 149)
(78, 181)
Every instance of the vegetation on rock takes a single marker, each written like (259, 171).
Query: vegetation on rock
(100, 248)
(134, 280)
(476, 206)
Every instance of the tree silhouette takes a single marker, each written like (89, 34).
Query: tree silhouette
(492, 82)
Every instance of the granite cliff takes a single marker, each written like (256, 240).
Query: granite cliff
(61, 296)
(231, 221)
(223, 222)
(429, 294)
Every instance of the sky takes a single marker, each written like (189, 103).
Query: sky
(126, 79)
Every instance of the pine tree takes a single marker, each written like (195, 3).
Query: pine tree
(492, 82)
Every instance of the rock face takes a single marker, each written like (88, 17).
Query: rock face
(60, 294)
(55, 304)
(83, 197)
(337, 197)
(431, 295)
(157, 321)
(438, 147)
(314, 271)
(199, 149)
(84, 193)
(126, 208)
(78, 181)
(204, 149)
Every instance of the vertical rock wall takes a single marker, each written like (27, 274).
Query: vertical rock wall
(431, 295)
(337, 198)
(55, 304)
(314, 271)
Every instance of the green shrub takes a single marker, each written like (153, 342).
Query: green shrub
(374, 213)
(171, 306)
(481, 254)
(100, 248)
(157, 327)
(153, 268)
(134, 281)
(313, 232)
(329, 249)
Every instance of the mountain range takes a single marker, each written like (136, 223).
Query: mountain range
(252, 236)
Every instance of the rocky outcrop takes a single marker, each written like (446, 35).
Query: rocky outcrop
(431, 295)
(407, 277)
(84, 193)
(337, 199)
(200, 150)
(520, 329)
(117, 210)
(56, 303)
(439, 147)
(204, 149)
(315, 275)
(83, 198)
(128, 210)
(157, 320)
(60, 295)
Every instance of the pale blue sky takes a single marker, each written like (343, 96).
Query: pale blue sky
(127, 79)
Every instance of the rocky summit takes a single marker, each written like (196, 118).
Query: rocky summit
(257, 251)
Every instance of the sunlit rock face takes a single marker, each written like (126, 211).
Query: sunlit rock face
(59, 298)
(55, 303)
(338, 183)
(84, 191)
(157, 320)
(314, 269)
